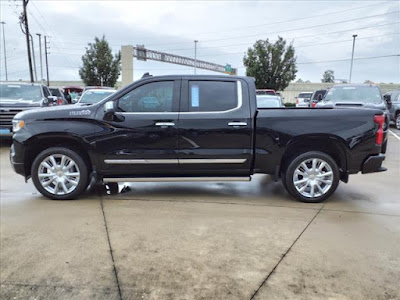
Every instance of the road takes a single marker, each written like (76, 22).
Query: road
(203, 240)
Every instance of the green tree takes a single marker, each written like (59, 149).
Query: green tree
(300, 80)
(273, 65)
(328, 76)
(99, 65)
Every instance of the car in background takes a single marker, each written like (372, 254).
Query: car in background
(280, 96)
(316, 97)
(392, 100)
(269, 101)
(303, 99)
(97, 88)
(17, 97)
(93, 96)
(73, 92)
(57, 92)
(265, 92)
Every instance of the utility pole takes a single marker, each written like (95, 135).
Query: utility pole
(195, 55)
(25, 21)
(5, 55)
(33, 56)
(352, 56)
(47, 62)
(40, 53)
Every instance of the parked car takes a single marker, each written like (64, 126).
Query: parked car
(86, 88)
(280, 96)
(303, 99)
(392, 100)
(151, 131)
(265, 92)
(316, 97)
(16, 97)
(267, 101)
(59, 94)
(92, 96)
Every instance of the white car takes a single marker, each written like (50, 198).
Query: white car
(303, 99)
(95, 95)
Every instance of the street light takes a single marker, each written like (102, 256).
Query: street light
(195, 55)
(5, 55)
(352, 56)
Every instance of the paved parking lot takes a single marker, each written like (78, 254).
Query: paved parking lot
(203, 241)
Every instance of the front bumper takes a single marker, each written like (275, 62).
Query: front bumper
(373, 164)
(17, 161)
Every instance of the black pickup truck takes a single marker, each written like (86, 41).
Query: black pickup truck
(195, 128)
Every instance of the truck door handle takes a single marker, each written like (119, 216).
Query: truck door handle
(165, 124)
(237, 124)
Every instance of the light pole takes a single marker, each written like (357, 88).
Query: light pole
(195, 56)
(40, 54)
(5, 55)
(352, 56)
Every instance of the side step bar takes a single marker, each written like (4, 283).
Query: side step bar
(175, 179)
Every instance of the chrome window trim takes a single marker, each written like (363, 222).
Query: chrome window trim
(239, 98)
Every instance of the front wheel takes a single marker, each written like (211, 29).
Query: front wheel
(312, 177)
(59, 173)
(398, 121)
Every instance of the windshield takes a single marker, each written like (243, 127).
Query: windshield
(317, 94)
(266, 102)
(305, 95)
(369, 94)
(94, 96)
(20, 92)
(265, 92)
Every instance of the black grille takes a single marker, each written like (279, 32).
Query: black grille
(6, 116)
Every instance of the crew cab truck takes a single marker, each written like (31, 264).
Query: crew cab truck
(194, 128)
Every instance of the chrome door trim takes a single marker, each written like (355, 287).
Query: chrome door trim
(237, 124)
(175, 179)
(175, 161)
(165, 124)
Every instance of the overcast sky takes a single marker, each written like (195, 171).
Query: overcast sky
(321, 31)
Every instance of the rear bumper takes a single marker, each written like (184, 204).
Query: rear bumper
(373, 164)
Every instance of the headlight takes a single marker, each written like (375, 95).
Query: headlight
(17, 125)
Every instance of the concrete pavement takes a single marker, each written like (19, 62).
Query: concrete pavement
(203, 241)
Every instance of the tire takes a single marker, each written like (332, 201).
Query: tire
(318, 186)
(54, 165)
(397, 121)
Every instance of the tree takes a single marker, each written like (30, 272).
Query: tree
(299, 80)
(273, 65)
(99, 66)
(328, 76)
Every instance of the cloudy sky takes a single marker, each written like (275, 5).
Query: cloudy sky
(321, 32)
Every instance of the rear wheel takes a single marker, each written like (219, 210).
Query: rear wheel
(398, 121)
(312, 177)
(59, 173)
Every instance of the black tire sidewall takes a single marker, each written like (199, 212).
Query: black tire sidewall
(83, 169)
(395, 121)
(293, 165)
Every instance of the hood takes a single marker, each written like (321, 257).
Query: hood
(5, 102)
(74, 111)
(359, 104)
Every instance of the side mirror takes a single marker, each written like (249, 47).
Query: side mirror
(74, 101)
(388, 101)
(52, 100)
(44, 102)
(109, 107)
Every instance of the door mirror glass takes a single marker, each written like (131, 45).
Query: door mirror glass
(109, 107)
(388, 101)
(44, 102)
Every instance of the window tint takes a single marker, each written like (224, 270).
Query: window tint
(212, 95)
(46, 92)
(150, 97)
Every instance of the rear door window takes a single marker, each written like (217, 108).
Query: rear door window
(209, 96)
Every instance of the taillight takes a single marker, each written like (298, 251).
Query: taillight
(297, 101)
(59, 102)
(313, 104)
(380, 120)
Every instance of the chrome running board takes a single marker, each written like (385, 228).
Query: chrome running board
(175, 179)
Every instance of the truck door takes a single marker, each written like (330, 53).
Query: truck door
(215, 127)
(142, 138)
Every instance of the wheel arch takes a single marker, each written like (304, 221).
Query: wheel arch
(331, 145)
(42, 142)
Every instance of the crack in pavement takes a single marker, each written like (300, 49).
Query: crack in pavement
(287, 251)
(111, 250)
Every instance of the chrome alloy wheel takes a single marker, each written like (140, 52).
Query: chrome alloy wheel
(398, 122)
(313, 177)
(58, 174)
